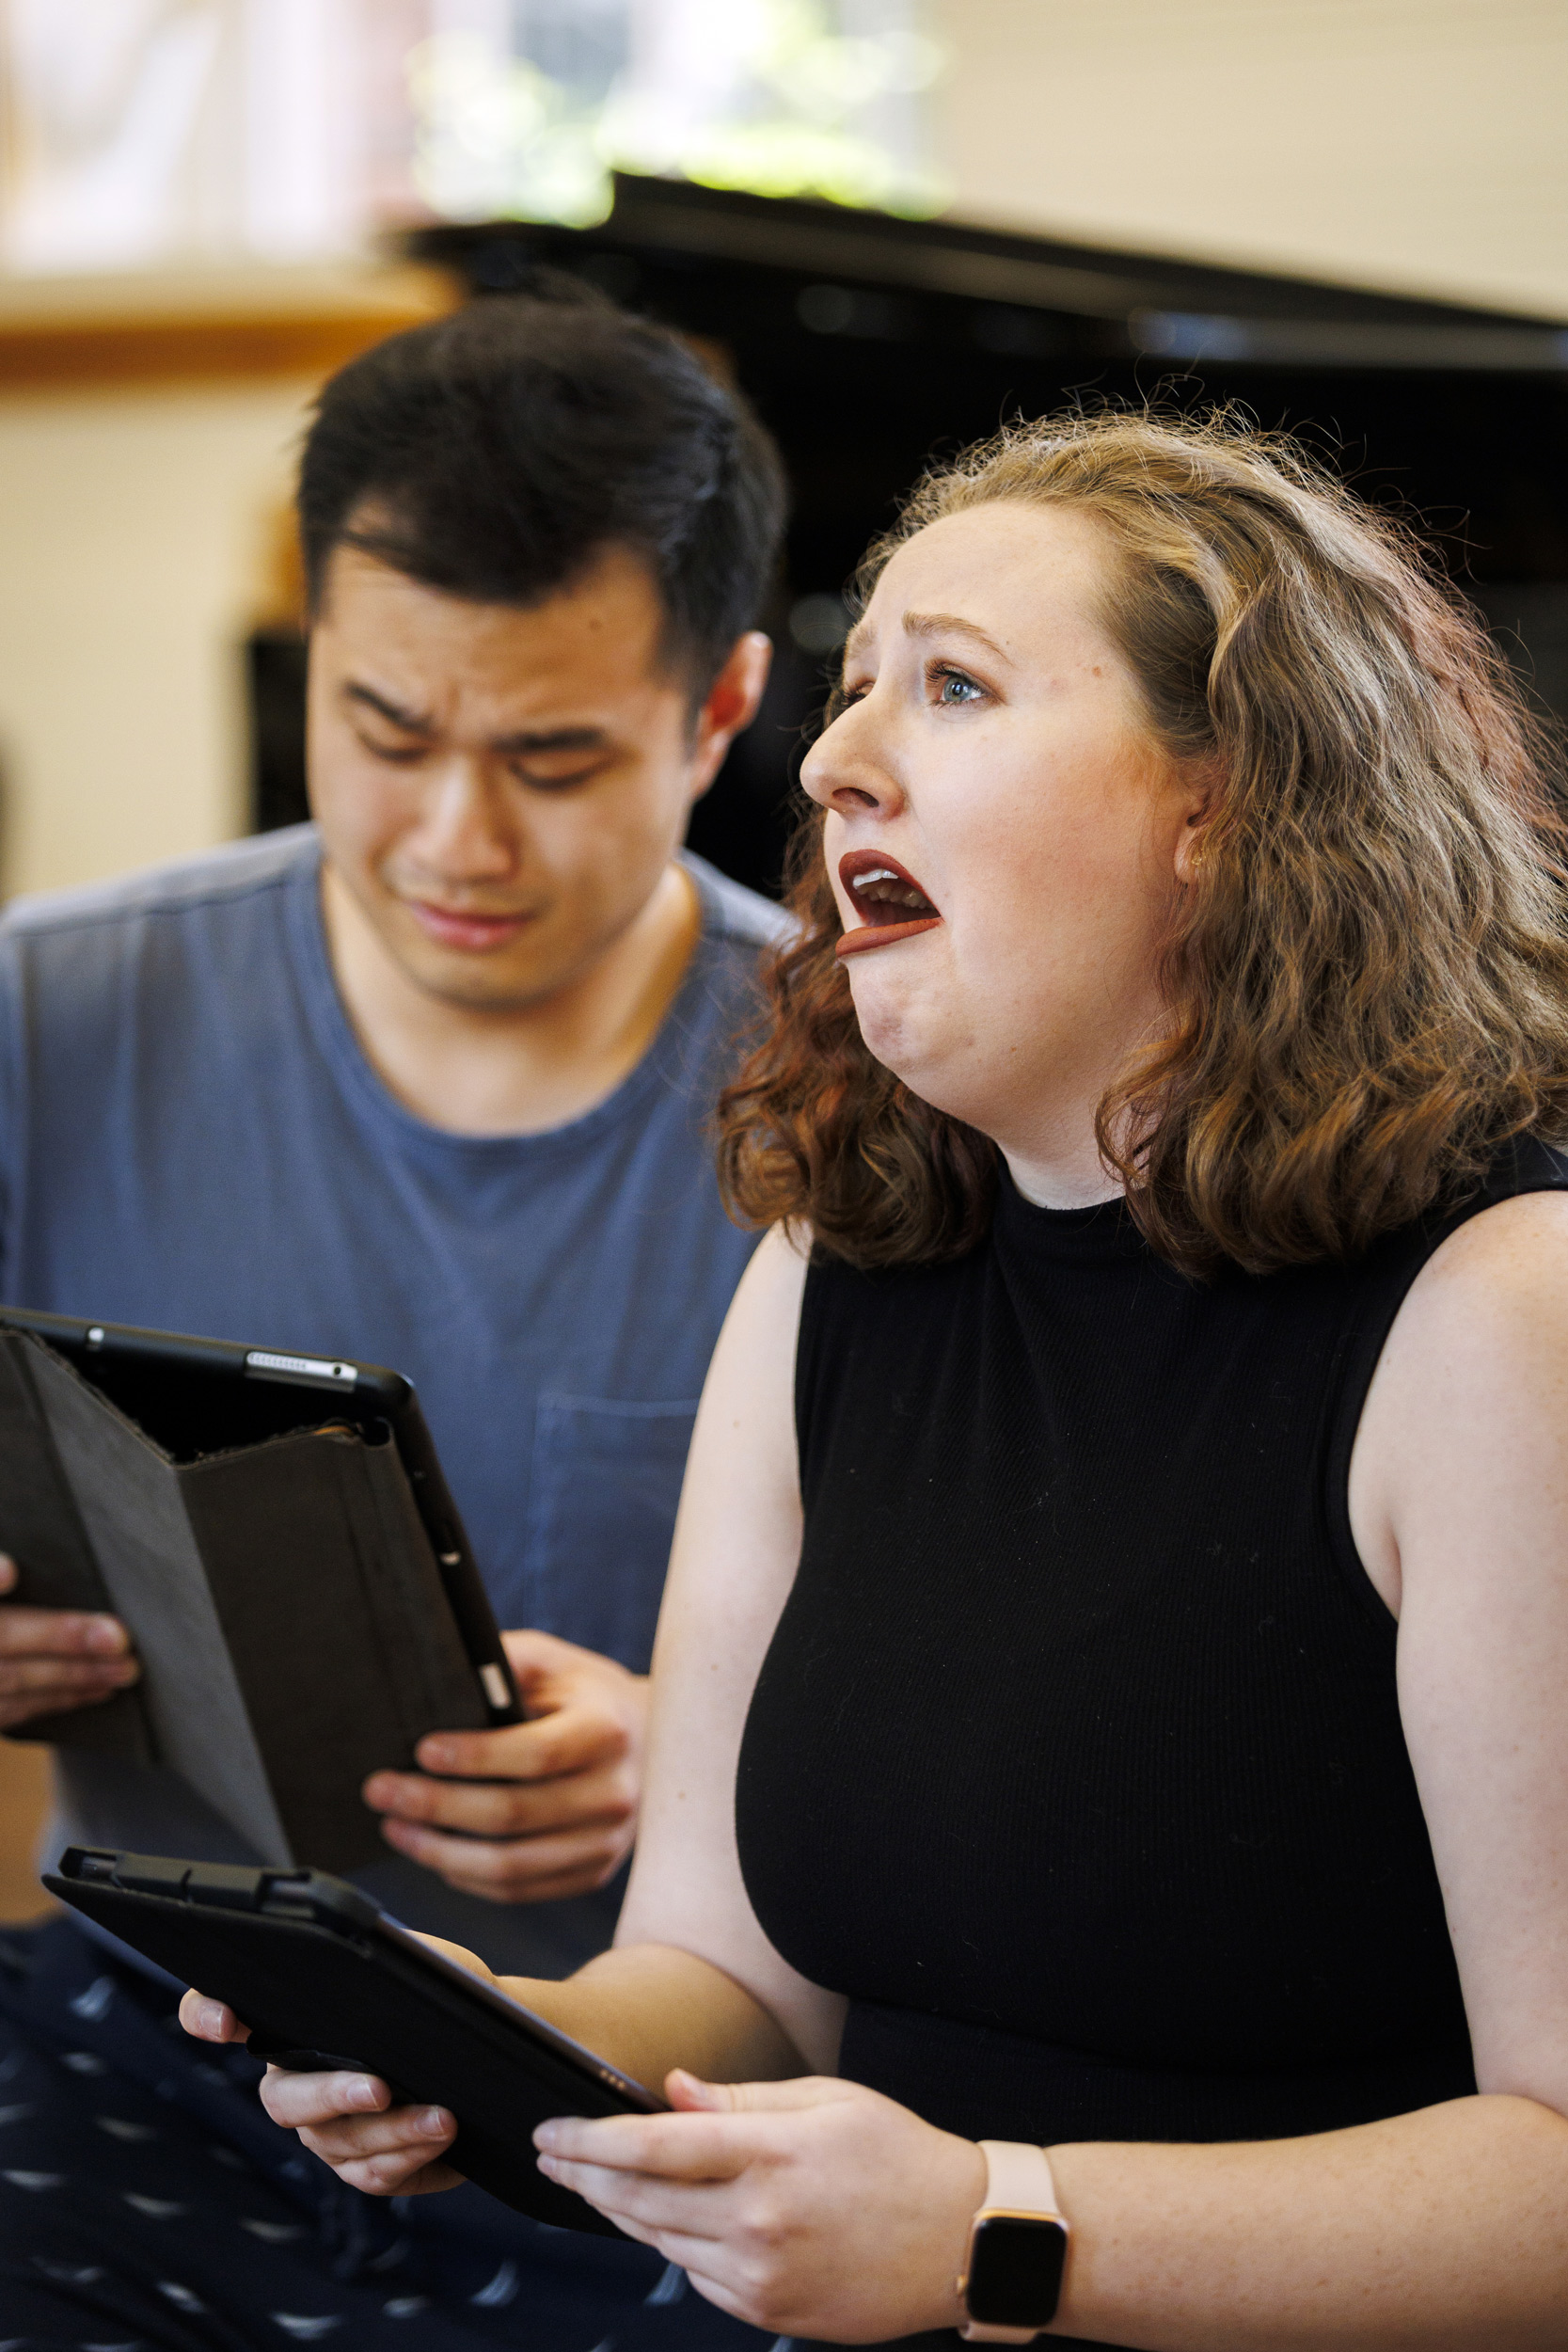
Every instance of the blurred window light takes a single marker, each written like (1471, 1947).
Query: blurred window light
(142, 132)
(525, 106)
(137, 134)
(107, 104)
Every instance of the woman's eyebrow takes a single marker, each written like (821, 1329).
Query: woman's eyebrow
(931, 625)
(950, 625)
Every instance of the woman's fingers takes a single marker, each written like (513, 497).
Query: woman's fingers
(345, 2118)
(690, 2093)
(401, 2172)
(387, 2176)
(642, 2203)
(644, 2170)
(349, 2121)
(296, 2100)
(670, 2146)
(421, 2134)
(209, 2020)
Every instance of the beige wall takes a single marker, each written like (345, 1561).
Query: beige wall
(1414, 145)
(133, 536)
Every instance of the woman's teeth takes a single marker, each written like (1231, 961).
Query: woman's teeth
(882, 888)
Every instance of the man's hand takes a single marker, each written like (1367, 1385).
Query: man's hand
(51, 1659)
(538, 1810)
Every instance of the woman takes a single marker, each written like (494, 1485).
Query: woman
(1110, 1685)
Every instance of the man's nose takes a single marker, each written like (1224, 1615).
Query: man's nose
(467, 827)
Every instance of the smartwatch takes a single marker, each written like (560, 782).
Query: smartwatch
(1013, 2276)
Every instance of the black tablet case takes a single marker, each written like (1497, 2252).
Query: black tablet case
(283, 1598)
(321, 1975)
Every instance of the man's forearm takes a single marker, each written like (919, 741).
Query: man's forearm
(1430, 2231)
(649, 2007)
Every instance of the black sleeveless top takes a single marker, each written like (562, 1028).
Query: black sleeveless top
(1076, 1760)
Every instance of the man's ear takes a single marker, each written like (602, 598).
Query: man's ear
(732, 703)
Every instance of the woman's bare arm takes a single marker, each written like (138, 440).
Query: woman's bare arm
(693, 1981)
(737, 1544)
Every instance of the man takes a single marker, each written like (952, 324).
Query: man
(427, 1083)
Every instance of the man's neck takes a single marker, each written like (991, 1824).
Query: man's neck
(509, 1070)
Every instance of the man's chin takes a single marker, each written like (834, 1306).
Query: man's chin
(494, 980)
(480, 983)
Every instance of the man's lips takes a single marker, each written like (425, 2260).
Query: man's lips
(456, 927)
(890, 903)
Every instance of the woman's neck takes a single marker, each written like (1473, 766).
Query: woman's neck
(1051, 1146)
(1064, 1179)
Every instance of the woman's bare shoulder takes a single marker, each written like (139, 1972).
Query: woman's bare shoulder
(1502, 1256)
(1490, 1307)
(1468, 1408)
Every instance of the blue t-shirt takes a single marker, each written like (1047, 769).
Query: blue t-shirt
(191, 1137)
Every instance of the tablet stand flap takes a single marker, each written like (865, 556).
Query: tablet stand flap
(128, 1494)
(332, 1606)
(42, 1529)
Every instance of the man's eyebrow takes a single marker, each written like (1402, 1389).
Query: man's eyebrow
(951, 625)
(550, 740)
(411, 722)
(585, 738)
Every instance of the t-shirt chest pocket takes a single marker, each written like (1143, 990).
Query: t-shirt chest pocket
(603, 1486)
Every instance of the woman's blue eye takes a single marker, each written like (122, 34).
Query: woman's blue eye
(958, 690)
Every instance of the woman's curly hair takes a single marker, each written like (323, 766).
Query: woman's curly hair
(1367, 977)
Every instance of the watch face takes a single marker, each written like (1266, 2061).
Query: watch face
(1015, 2271)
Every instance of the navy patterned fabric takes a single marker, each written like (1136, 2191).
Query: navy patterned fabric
(148, 2204)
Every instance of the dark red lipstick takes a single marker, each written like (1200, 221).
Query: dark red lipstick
(886, 897)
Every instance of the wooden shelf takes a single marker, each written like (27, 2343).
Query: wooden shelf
(252, 326)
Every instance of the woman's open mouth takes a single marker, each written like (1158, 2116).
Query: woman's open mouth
(890, 903)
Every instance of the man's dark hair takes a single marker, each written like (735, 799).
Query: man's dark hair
(496, 453)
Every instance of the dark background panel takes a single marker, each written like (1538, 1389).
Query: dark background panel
(871, 347)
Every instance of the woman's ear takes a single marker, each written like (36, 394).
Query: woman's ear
(1189, 847)
(1202, 786)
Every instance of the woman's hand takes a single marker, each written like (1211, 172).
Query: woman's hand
(807, 2208)
(349, 2122)
(348, 2119)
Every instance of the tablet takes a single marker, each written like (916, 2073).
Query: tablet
(324, 1979)
(197, 1396)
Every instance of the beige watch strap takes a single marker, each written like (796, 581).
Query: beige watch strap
(1018, 2181)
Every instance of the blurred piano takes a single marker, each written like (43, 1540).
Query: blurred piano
(870, 343)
